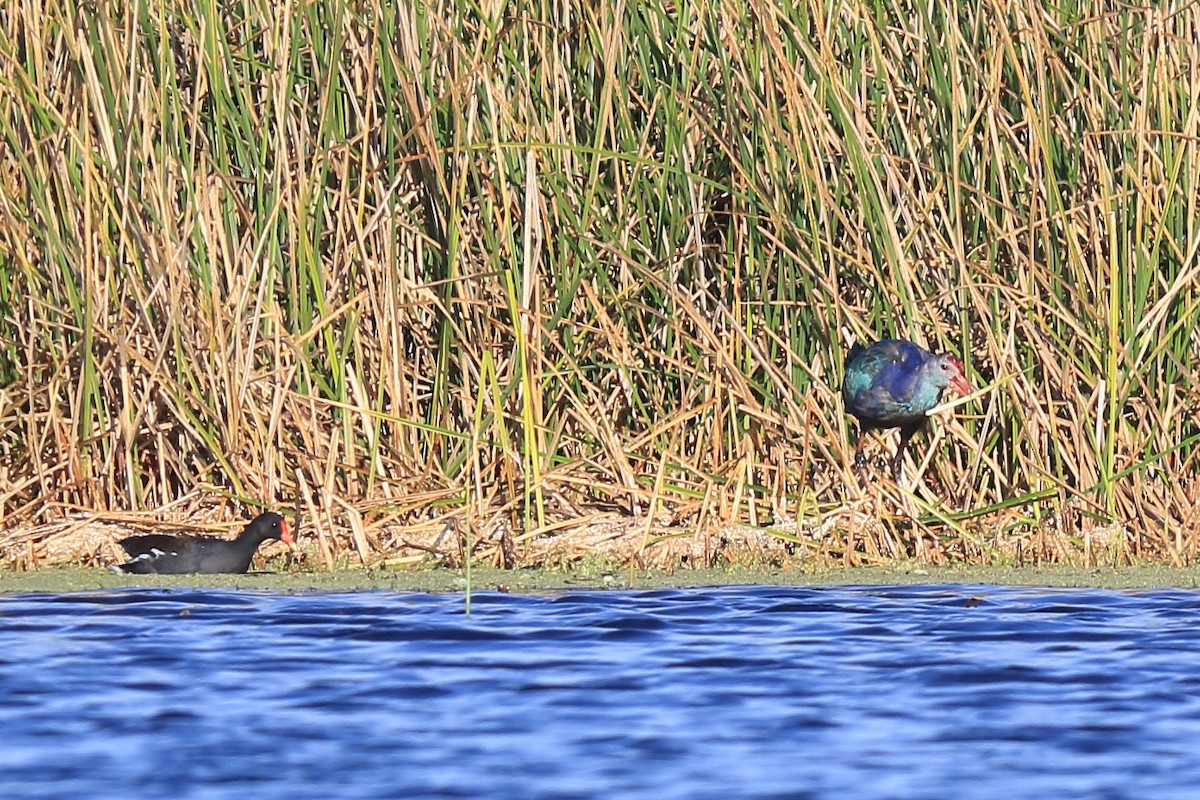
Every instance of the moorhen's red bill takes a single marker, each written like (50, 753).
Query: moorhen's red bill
(173, 555)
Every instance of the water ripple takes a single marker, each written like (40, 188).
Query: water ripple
(753, 692)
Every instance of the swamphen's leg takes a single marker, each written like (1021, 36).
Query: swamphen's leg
(860, 460)
(906, 433)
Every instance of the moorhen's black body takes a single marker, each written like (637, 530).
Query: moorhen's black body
(173, 555)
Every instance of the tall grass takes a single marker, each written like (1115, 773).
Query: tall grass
(532, 264)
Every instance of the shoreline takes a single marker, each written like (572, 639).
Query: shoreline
(58, 580)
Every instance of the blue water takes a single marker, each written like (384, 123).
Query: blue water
(933, 692)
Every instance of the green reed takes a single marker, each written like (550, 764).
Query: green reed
(597, 256)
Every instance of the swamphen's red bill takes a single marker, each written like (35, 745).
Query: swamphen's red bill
(958, 381)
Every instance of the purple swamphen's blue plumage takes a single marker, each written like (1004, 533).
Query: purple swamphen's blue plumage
(891, 384)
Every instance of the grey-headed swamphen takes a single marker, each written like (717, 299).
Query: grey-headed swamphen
(891, 384)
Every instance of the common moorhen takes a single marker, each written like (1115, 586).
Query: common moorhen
(173, 555)
(892, 384)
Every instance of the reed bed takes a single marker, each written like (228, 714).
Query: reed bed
(557, 278)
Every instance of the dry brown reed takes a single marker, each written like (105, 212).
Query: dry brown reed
(578, 278)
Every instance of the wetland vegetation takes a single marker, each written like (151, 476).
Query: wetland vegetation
(552, 280)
